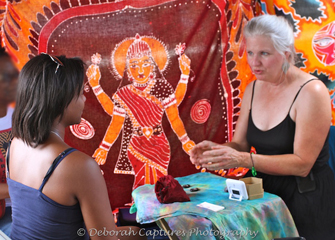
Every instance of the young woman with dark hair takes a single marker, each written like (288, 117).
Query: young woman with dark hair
(57, 192)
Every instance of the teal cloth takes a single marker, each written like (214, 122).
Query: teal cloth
(263, 218)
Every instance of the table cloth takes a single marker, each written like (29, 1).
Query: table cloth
(263, 218)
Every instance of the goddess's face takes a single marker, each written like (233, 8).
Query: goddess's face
(264, 60)
(140, 69)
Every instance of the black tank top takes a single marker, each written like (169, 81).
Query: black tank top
(279, 139)
(311, 209)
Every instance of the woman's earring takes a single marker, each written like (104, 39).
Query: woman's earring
(285, 66)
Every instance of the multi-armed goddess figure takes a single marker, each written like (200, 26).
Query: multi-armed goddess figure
(138, 108)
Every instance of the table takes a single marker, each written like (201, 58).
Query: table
(263, 218)
(3, 236)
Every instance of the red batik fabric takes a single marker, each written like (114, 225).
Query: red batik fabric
(205, 104)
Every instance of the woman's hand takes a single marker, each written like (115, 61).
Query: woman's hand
(196, 154)
(214, 156)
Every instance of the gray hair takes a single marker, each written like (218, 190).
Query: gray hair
(278, 29)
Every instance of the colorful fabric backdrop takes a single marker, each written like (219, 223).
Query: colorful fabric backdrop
(139, 135)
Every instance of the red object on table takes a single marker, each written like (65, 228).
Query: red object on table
(169, 190)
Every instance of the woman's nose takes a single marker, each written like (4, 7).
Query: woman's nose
(255, 61)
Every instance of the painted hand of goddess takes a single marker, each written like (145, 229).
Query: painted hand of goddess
(100, 156)
(93, 72)
(184, 64)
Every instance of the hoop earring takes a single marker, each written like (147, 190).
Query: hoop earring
(285, 66)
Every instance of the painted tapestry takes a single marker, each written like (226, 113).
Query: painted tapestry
(161, 75)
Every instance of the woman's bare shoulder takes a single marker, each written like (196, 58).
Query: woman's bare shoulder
(248, 92)
(314, 87)
(80, 161)
(314, 99)
(81, 171)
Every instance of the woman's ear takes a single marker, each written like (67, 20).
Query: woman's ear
(288, 56)
(286, 63)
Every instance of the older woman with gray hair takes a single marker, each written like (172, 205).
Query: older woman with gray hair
(285, 116)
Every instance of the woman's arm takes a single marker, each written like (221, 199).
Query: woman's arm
(4, 191)
(84, 180)
(90, 189)
(216, 154)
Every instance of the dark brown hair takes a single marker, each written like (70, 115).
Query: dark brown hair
(43, 95)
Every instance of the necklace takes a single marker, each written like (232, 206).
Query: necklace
(57, 135)
(141, 84)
